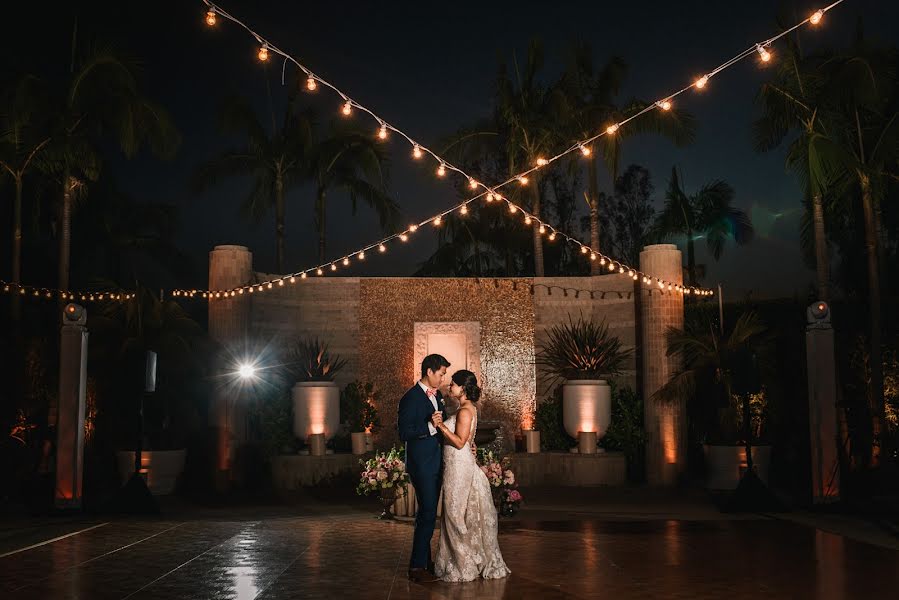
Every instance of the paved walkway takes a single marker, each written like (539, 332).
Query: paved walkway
(334, 551)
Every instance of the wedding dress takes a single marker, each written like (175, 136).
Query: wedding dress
(468, 546)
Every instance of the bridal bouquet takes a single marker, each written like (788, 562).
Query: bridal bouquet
(499, 473)
(386, 471)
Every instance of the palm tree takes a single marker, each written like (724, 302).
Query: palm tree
(790, 104)
(21, 141)
(708, 213)
(590, 106)
(353, 162)
(276, 161)
(527, 114)
(714, 368)
(98, 103)
(862, 103)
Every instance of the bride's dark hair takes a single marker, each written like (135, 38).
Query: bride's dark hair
(468, 382)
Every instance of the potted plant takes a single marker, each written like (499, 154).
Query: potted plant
(583, 353)
(316, 398)
(719, 378)
(384, 474)
(357, 407)
(627, 433)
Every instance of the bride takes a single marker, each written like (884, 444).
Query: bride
(468, 547)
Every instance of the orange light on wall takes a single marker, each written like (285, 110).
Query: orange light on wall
(669, 438)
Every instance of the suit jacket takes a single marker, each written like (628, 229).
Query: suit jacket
(423, 450)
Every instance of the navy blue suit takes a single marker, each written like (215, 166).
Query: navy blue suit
(424, 463)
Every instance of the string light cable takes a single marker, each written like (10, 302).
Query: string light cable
(28, 291)
(490, 193)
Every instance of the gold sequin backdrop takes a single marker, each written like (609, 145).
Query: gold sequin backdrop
(388, 311)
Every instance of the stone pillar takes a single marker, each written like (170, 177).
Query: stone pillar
(229, 267)
(665, 423)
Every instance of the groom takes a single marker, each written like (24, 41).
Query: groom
(424, 458)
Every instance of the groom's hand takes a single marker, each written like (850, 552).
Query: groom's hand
(437, 419)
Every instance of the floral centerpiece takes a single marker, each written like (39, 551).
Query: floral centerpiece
(506, 496)
(384, 474)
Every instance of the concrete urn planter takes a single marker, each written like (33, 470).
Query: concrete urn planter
(725, 465)
(316, 409)
(586, 406)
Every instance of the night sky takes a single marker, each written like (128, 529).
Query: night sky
(428, 69)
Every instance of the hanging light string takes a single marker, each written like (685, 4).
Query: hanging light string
(488, 192)
(28, 291)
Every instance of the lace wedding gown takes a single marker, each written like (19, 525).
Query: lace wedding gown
(467, 547)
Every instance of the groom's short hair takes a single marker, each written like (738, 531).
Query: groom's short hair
(433, 362)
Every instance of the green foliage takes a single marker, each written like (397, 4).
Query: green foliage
(581, 349)
(310, 360)
(548, 421)
(357, 407)
(273, 412)
(626, 432)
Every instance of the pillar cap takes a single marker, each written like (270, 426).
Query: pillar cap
(230, 248)
(657, 247)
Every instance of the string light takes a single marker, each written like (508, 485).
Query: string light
(413, 228)
(382, 132)
(542, 162)
(611, 129)
(263, 52)
(362, 255)
(319, 272)
(552, 236)
(382, 248)
(542, 228)
(764, 54)
(404, 237)
(347, 109)
(512, 208)
(333, 267)
(346, 262)
(464, 209)
(437, 221)
(582, 145)
(527, 220)
(311, 84)
(210, 16)
(490, 196)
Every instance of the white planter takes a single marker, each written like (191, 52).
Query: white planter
(163, 467)
(586, 406)
(316, 409)
(725, 465)
(362, 442)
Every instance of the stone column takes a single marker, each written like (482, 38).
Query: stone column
(665, 423)
(229, 267)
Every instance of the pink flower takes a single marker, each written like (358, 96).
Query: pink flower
(514, 496)
(509, 478)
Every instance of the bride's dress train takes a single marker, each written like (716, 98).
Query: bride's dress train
(468, 546)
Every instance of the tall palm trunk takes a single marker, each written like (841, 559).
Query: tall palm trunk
(279, 222)
(822, 260)
(65, 229)
(538, 239)
(320, 208)
(16, 304)
(691, 259)
(876, 390)
(593, 201)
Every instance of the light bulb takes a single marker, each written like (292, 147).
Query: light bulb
(661, 285)
(816, 17)
(263, 53)
(602, 260)
(210, 16)
(404, 237)
(437, 221)
(346, 262)
(583, 249)
(490, 196)
(764, 54)
(280, 283)
(251, 290)
(382, 248)
(523, 180)
(441, 170)
(592, 256)
(413, 228)
(512, 208)
(612, 128)
(362, 255)
(319, 272)
(542, 228)
(701, 82)
(382, 132)
(634, 277)
(311, 84)
(527, 220)
(621, 269)
(259, 289)
(552, 236)
(664, 104)
(542, 162)
(347, 108)
(472, 183)
(611, 266)
(416, 151)
(669, 287)
(464, 209)
(293, 279)
(585, 150)
(303, 275)
(333, 267)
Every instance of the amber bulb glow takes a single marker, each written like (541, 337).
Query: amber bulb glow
(664, 104)
(612, 129)
(441, 170)
(210, 17)
(382, 132)
(701, 82)
(347, 108)
(416, 151)
(263, 53)
(311, 83)
(816, 17)
(585, 150)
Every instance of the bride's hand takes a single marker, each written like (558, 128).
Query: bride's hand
(437, 419)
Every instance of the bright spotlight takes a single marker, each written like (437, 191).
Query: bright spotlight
(247, 371)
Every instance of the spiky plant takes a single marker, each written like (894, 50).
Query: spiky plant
(581, 349)
(310, 360)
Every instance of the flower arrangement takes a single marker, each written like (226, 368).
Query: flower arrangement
(385, 471)
(499, 474)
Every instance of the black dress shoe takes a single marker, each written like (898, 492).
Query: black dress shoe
(431, 568)
(420, 575)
